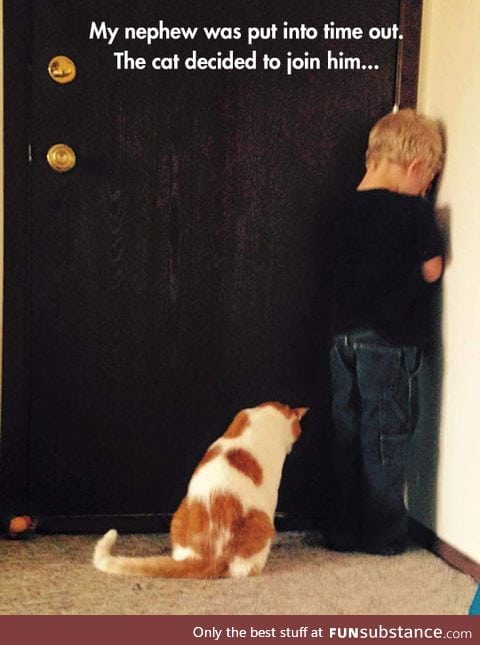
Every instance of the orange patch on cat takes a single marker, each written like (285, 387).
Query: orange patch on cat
(208, 456)
(198, 526)
(246, 463)
(298, 413)
(190, 525)
(225, 517)
(179, 524)
(203, 528)
(253, 534)
(238, 425)
(249, 534)
(296, 430)
(226, 511)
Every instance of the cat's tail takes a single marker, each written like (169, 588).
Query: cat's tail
(161, 566)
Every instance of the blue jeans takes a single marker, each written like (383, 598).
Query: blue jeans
(374, 409)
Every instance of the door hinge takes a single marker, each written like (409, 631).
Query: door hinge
(29, 153)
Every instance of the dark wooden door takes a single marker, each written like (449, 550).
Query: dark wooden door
(178, 272)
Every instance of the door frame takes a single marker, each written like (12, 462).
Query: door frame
(15, 434)
(14, 438)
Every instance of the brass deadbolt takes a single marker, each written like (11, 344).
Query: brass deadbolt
(61, 158)
(62, 69)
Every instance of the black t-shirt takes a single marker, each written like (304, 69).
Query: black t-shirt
(381, 239)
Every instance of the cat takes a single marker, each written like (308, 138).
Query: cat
(223, 528)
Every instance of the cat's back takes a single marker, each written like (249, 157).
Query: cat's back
(233, 464)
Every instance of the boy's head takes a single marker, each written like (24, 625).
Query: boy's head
(413, 142)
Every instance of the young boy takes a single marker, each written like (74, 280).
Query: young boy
(388, 255)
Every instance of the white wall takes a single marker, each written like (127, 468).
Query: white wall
(449, 89)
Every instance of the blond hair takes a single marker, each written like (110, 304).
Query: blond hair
(404, 136)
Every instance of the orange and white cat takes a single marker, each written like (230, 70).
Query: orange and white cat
(224, 526)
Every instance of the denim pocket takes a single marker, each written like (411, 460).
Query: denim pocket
(378, 370)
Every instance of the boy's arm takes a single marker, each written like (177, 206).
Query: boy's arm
(431, 244)
(432, 269)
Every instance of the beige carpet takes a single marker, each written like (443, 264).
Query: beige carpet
(53, 575)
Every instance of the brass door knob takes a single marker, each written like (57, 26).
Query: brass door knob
(61, 158)
(62, 69)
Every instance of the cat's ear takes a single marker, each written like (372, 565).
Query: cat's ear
(300, 412)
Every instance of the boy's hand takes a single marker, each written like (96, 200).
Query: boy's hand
(432, 269)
